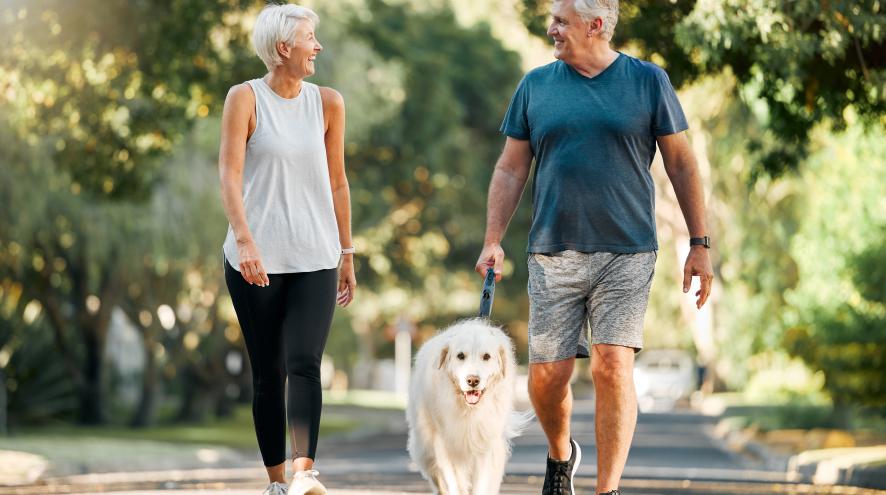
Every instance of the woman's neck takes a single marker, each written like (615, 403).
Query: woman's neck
(284, 84)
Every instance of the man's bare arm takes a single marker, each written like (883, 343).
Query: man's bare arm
(505, 189)
(682, 170)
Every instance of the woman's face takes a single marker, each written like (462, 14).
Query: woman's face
(303, 49)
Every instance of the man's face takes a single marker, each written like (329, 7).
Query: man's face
(568, 30)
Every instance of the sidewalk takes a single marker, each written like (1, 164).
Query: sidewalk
(862, 466)
(25, 460)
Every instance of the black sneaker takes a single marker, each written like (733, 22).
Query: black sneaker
(613, 492)
(558, 478)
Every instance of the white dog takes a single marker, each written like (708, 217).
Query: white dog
(460, 413)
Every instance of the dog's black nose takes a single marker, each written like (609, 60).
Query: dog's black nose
(473, 380)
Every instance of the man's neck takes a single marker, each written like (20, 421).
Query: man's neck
(595, 60)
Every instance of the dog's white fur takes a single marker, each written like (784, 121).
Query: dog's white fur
(462, 448)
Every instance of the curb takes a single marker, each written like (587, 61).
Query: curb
(861, 466)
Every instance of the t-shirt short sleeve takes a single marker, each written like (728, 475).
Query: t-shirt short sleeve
(515, 123)
(668, 117)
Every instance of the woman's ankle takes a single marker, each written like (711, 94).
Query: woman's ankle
(302, 464)
(277, 473)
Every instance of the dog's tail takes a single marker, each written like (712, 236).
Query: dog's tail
(518, 422)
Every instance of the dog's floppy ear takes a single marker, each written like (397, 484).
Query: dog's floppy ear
(502, 360)
(443, 354)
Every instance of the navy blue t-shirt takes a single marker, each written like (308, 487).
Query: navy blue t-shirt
(594, 141)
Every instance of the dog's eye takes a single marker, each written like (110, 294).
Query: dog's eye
(461, 356)
(486, 357)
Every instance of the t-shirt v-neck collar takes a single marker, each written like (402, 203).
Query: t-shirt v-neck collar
(602, 73)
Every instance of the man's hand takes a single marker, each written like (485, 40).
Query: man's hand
(698, 264)
(492, 256)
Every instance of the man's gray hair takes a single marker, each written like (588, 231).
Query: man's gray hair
(276, 23)
(605, 9)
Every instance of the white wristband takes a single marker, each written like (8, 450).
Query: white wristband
(350, 250)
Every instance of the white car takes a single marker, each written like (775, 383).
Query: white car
(663, 377)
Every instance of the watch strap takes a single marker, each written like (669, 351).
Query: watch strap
(700, 241)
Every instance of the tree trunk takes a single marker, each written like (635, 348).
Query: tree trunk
(144, 414)
(91, 395)
(95, 335)
(3, 402)
(193, 399)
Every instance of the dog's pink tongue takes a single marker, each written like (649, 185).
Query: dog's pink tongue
(472, 396)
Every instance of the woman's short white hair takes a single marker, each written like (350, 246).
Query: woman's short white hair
(276, 23)
(606, 9)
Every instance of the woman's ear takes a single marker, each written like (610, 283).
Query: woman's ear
(283, 49)
(443, 355)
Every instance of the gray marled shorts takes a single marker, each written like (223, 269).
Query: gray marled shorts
(569, 289)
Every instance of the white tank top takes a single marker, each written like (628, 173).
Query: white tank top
(286, 190)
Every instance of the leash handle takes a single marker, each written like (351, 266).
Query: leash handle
(488, 294)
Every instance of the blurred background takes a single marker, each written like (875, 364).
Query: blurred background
(114, 318)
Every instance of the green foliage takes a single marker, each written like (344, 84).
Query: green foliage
(869, 272)
(96, 99)
(419, 177)
(113, 191)
(797, 63)
(848, 343)
(786, 416)
(37, 389)
(837, 317)
(108, 175)
(113, 85)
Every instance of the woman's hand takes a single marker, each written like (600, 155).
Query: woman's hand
(250, 264)
(347, 282)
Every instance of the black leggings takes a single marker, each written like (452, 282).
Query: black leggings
(285, 326)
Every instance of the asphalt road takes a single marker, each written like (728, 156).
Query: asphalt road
(672, 453)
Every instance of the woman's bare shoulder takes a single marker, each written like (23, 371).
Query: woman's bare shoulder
(241, 95)
(331, 97)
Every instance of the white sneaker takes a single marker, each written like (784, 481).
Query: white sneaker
(305, 483)
(275, 488)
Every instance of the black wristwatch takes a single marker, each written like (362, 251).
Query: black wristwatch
(700, 241)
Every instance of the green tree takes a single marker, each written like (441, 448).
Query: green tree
(836, 317)
(97, 97)
(847, 343)
(113, 85)
(420, 161)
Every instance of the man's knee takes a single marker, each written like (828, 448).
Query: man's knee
(612, 365)
(553, 376)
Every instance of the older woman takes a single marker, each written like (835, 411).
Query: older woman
(288, 252)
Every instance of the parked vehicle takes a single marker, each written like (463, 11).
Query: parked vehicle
(663, 377)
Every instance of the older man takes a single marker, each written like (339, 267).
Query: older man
(591, 120)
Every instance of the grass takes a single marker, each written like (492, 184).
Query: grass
(371, 399)
(236, 431)
(867, 426)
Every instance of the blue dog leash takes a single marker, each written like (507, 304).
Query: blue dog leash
(488, 294)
